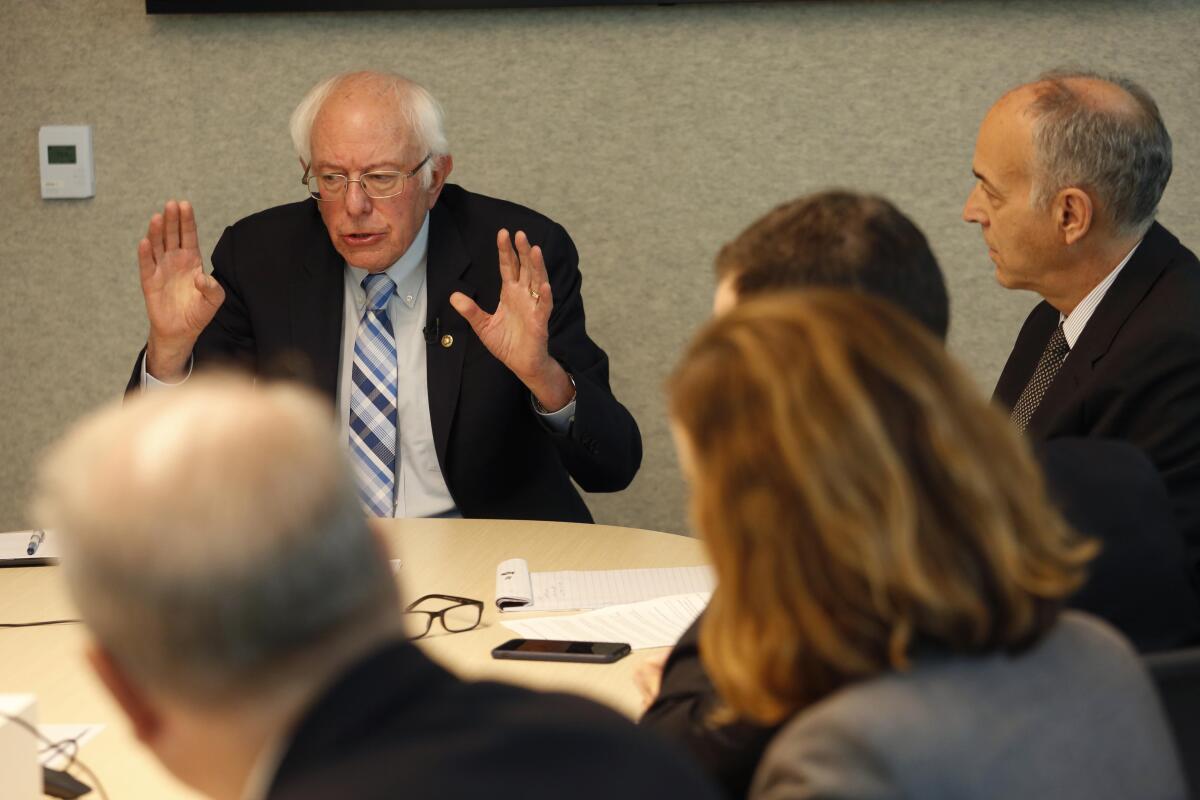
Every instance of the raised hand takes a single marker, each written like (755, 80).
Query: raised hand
(180, 298)
(517, 333)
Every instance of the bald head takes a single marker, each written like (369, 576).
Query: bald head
(1100, 94)
(1101, 134)
(212, 534)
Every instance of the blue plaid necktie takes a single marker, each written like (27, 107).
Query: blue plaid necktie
(373, 400)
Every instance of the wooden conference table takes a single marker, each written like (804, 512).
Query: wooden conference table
(456, 557)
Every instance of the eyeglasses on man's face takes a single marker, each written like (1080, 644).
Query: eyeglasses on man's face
(456, 614)
(378, 185)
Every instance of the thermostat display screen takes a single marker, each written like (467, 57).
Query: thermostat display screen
(60, 153)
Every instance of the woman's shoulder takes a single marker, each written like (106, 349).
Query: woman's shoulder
(943, 709)
(1080, 650)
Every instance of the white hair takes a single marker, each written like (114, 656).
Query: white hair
(213, 540)
(420, 110)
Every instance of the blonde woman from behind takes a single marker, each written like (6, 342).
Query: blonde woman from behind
(891, 574)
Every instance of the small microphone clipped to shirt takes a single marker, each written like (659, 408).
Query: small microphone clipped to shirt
(431, 331)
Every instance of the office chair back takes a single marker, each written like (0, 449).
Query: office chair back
(1177, 676)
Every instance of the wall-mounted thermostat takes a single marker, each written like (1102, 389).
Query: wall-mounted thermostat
(65, 152)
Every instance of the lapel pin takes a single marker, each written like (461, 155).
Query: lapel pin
(447, 340)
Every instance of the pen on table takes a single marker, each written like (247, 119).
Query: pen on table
(35, 541)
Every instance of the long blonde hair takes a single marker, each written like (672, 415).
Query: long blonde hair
(858, 498)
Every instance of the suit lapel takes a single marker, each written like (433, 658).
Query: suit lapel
(1122, 298)
(317, 300)
(447, 262)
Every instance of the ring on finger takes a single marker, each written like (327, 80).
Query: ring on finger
(534, 294)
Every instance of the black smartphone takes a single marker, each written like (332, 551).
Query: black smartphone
(557, 650)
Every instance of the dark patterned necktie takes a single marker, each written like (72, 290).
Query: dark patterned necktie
(1047, 367)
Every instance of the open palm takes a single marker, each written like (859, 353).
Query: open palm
(517, 333)
(180, 298)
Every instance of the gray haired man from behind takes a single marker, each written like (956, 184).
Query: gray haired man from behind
(245, 618)
(1069, 172)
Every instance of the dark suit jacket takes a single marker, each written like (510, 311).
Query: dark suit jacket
(399, 726)
(728, 753)
(1139, 583)
(1134, 373)
(282, 317)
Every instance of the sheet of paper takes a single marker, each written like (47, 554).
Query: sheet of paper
(581, 590)
(14, 546)
(649, 623)
(58, 758)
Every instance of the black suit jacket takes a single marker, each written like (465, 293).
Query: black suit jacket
(282, 317)
(686, 699)
(1134, 373)
(398, 726)
(1139, 582)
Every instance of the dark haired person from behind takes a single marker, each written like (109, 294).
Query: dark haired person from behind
(836, 239)
(891, 572)
(256, 644)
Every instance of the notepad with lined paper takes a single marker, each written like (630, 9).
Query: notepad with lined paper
(518, 589)
(14, 549)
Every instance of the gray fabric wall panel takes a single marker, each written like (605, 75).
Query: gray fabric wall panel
(653, 134)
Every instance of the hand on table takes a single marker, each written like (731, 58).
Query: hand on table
(648, 679)
(517, 333)
(180, 298)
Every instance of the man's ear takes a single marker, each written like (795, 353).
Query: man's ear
(1074, 214)
(442, 166)
(726, 295)
(144, 718)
